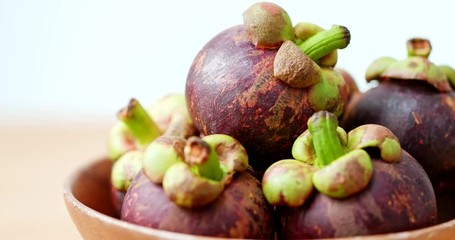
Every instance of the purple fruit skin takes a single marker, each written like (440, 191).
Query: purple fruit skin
(231, 89)
(117, 198)
(422, 118)
(240, 212)
(399, 198)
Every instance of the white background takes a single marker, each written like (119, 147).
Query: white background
(78, 60)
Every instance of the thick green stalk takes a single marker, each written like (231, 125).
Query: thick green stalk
(203, 159)
(139, 123)
(327, 145)
(324, 42)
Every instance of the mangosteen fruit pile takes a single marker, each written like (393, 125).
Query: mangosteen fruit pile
(253, 148)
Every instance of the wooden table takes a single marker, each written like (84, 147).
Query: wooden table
(35, 161)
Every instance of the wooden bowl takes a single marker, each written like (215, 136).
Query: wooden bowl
(87, 198)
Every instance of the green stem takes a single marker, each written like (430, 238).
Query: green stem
(327, 145)
(139, 122)
(324, 42)
(203, 159)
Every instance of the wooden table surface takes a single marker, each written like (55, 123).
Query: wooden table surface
(35, 161)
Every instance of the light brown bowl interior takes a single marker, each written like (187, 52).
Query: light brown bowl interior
(87, 198)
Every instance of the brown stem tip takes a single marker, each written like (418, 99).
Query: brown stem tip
(418, 47)
(196, 151)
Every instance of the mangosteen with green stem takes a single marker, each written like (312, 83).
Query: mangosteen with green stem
(415, 99)
(136, 130)
(204, 188)
(348, 184)
(258, 82)
(128, 138)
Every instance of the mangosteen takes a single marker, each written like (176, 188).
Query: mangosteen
(415, 99)
(260, 82)
(348, 184)
(135, 130)
(204, 187)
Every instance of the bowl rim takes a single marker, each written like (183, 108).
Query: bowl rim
(70, 199)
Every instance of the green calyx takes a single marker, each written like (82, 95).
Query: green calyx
(160, 155)
(139, 123)
(378, 67)
(303, 49)
(333, 161)
(125, 169)
(190, 190)
(280, 186)
(416, 67)
(303, 148)
(120, 141)
(268, 25)
(194, 172)
(347, 175)
(344, 167)
(450, 73)
(373, 135)
(297, 65)
(231, 154)
(326, 95)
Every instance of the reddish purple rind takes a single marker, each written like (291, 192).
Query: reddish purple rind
(117, 198)
(231, 89)
(420, 117)
(352, 90)
(399, 198)
(240, 212)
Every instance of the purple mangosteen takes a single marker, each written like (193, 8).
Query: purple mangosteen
(135, 130)
(415, 99)
(203, 187)
(348, 184)
(260, 82)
